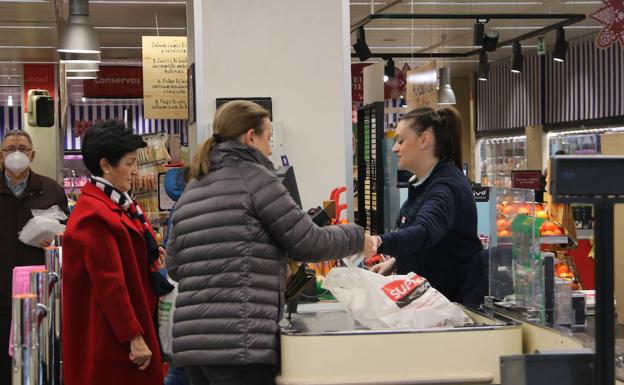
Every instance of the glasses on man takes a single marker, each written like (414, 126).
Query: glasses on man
(22, 149)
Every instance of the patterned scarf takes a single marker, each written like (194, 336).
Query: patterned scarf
(160, 285)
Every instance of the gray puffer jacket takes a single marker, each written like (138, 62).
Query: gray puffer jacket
(232, 233)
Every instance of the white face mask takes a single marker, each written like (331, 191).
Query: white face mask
(17, 162)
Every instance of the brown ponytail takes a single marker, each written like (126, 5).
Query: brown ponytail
(200, 166)
(451, 133)
(446, 124)
(231, 121)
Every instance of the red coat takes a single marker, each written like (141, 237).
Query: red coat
(107, 299)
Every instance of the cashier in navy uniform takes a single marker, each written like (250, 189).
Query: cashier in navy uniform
(436, 234)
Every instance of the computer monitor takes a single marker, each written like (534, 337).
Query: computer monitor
(286, 175)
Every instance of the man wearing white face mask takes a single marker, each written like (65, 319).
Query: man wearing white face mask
(21, 190)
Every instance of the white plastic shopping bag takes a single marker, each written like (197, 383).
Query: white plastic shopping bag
(44, 225)
(392, 302)
(166, 307)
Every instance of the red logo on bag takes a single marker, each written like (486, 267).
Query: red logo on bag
(397, 290)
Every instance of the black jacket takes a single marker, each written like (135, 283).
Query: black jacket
(41, 193)
(436, 235)
(232, 232)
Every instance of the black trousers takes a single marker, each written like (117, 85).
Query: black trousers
(231, 374)
(5, 359)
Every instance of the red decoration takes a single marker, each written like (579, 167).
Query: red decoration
(81, 127)
(395, 87)
(612, 17)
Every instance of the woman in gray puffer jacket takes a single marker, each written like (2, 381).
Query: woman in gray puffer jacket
(234, 227)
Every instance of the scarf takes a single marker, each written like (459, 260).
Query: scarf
(159, 283)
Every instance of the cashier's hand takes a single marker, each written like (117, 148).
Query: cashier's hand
(162, 255)
(384, 268)
(139, 353)
(45, 243)
(370, 246)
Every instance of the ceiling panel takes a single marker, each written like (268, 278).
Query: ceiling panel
(121, 23)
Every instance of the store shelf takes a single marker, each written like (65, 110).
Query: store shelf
(584, 233)
(547, 240)
(554, 240)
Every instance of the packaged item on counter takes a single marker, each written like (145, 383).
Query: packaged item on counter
(392, 302)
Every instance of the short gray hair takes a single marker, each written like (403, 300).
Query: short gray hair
(17, 133)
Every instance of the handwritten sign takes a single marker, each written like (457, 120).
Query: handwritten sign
(165, 91)
(530, 179)
(422, 86)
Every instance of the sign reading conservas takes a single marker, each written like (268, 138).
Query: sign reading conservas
(165, 91)
(422, 86)
(115, 82)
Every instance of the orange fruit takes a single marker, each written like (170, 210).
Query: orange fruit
(504, 233)
(523, 211)
(561, 268)
(502, 224)
(507, 210)
(547, 233)
(541, 214)
(548, 226)
(557, 232)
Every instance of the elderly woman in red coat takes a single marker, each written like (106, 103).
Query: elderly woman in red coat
(111, 282)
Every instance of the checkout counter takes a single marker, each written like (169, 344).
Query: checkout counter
(322, 344)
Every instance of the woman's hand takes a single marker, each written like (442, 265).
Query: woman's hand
(162, 255)
(140, 353)
(370, 246)
(384, 268)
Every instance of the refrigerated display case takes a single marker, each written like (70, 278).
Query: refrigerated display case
(578, 142)
(497, 157)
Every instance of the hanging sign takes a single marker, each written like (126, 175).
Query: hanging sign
(165, 92)
(115, 82)
(357, 84)
(38, 77)
(422, 86)
(541, 46)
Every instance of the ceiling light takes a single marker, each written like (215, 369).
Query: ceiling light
(129, 2)
(78, 35)
(446, 95)
(10, 101)
(477, 3)
(81, 75)
(142, 28)
(425, 28)
(27, 47)
(70, 57)
(517, 58)
(490, 39)
(122, 47)
(360, 46)
(479, 30)
(26, 27)
(83, 99)
(483, 72)
(81, 67)
(561, 46)
(389, 70)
